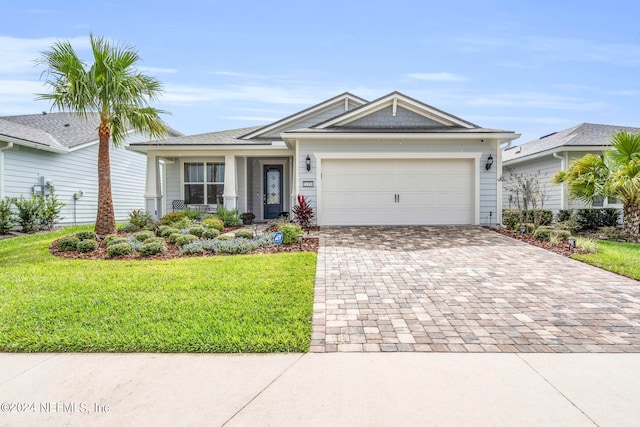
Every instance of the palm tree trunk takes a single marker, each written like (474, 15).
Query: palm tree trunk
(106, 218)
(631, 222)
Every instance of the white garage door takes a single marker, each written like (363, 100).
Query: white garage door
(397, 192)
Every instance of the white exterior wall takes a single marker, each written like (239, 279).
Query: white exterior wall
(75, 171)
(545, 167)
(487, 179)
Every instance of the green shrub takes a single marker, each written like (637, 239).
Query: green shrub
(127, 227)
(290, 233)
(512, 218)
(185, 238)
(140, 218)
(6, 216)
(172, 217)
(196, 231)
(214, 223)
(210, 233)
(114, 240)
(50, 213)
(29, 212)
(174, 236)
(69, 243)
(169, 231)
(183, 223)
(564, 215)
(87, 246)
(144, 235)
(610, 217)
(192, 248)
(224, 237)
(570, 225)
(86, 235)
(543, 233)
(193, 213)
(244, 234)
(118, 249)
(229, 217)
(155, 240)
(151, 248)
(594, 218)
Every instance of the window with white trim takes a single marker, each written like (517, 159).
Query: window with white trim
(203, 183)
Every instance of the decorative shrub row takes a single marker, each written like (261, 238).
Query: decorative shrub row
(226, 245)
(592, 219)
(32, 213)
(512, 218)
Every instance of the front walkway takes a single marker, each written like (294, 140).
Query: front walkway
(464, 289)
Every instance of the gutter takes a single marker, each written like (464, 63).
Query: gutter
(9, 146)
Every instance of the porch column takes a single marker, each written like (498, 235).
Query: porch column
(153, 192)
(230, 190)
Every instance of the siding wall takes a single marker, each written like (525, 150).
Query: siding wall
(384, 118)
(75, 171)
(319, 117)
(545, 167)
(488, 188)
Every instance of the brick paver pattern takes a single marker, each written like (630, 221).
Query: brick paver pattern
(464, 289)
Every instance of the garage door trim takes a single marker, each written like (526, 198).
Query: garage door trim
(475, 156)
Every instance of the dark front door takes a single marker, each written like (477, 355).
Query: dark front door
(272, 191)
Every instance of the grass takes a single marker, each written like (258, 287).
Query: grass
(250, 303)
(621, 258)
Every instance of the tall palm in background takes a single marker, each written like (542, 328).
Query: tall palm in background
(616, 174)
(112, 87)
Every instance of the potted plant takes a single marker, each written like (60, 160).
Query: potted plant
(247, 218)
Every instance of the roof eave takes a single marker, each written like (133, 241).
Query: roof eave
(501, 136)
(31, 144)
(551, 151)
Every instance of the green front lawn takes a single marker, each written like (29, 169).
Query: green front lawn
(249, 303)
(621, 258)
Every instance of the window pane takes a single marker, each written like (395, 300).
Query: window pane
(193, 172)
(612, 201)
(194, 194)
(214, 193)
(219, 175)
(598, 202)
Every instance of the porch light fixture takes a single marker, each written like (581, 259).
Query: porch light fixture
(308, 163)
(489, 162)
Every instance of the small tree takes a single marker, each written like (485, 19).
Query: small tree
(6, 216)
(51, 209)
(303, 213)
(527, 193)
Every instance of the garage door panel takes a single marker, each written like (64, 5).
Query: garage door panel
(430, 191)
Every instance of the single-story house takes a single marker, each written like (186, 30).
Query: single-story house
(554, 152)
(59, 151)
(390, 161)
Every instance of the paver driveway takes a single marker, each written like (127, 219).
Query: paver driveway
(464, 289)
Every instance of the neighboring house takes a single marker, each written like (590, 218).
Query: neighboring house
(391, 161)
(552, 153)
(60, 151)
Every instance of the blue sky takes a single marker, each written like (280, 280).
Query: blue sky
(533, 67)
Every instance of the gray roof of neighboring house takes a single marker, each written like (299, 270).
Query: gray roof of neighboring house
(225, 137)
(27, 134)
(583, 135)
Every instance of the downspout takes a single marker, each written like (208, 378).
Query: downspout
(562, 167)
(9, 146)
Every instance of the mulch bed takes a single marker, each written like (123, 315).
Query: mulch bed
(309, 244)
(561, 247)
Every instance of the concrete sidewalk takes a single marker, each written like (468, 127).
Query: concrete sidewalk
(338, 389)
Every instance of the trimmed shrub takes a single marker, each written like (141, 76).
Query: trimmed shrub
(290, 233)
(224, 237)
(127, 227)
(210, 233)
(151, 248)
(592, 219)
(174, 236)
(244, 234)
(118, 249)
(69, 243)
(229, 217)
(543, 233)
(155, 240)
(192, 213)
(564, 215)
(144, 236)
(86, 235)
(214, 223)
(610, 217)
(196, 231)
(561, 234)
(114, 240)
(185, 238)
(87, 246)
(512, 218)
(192, 248)
(169, 231)
(140, 218)
(29, 212)
(183, 223)
(6, 216)
(570, 225)
(172, 217)
(50, 213)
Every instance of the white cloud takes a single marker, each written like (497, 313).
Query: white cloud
(157, 70)
(437, 77)
(19, 54)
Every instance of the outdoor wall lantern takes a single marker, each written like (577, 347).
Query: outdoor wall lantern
(308, 163)
(489, 162)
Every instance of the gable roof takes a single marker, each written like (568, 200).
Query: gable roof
(343, 98)
(225, 137)
(587, 135)
(54, 131)
(395, 100)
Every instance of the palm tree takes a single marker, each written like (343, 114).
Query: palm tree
(616, 174)
(111, 87)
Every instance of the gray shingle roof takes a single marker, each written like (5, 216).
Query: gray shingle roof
(225, 137)
(66, 128)
(27, 134)
(583, 135)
